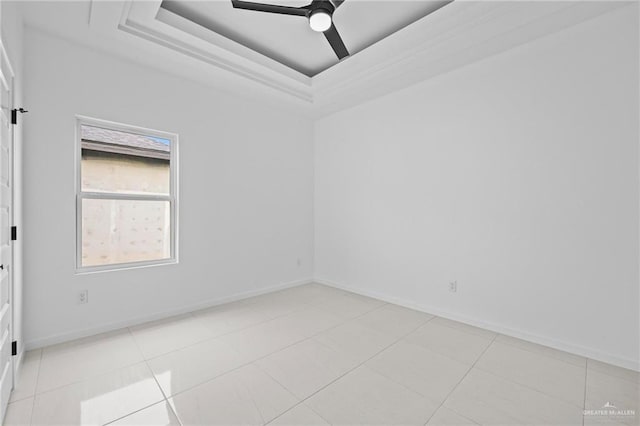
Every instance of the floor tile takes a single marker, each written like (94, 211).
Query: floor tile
(246, 396)
(612, 370)
(360, 343)
(308, 322)
(449, 341)
(491, 400)
(258, 341)
(28, 375)
(263, 339)
(312, 293)
(164, 336)
(159, 414)
(306, 367)
(545, 374)
(446, 417)
(613, 395)
(253, 361)
(80, 359)
(393, 319)
(419, 369)
(98, 400)
(542, 350)
(19, 413)
(273, 305)
(464, 327)
(591, 420)
(366, 397)
(349, 305)
(195, 364)
(230, 317)
(299, 415)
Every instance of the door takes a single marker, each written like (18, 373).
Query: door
(6, 219)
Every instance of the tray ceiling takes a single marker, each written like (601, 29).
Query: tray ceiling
(289, 40)
(458, 34)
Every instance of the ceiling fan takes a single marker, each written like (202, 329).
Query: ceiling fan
(319, 13)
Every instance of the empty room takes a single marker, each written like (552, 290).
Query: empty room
(320, 212)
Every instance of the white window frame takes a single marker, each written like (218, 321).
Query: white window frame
(172, 198)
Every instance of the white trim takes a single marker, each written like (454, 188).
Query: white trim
(507, 331)
(144, 19)
(82, 270)
(9, 81)
(457, 34)
(124, 196)
(498, 328)
(172, 198)
(5, 56)
(91, 331)
(17, 367)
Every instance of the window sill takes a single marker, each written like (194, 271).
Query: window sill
(124, 266)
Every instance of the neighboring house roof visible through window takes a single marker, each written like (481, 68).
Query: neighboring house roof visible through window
(97, 139)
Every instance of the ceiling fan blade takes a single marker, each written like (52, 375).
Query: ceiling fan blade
(271, 8)
(336, 43)
(337, 3)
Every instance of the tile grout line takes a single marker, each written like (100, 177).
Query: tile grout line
(538, 391)
(190, 314)
(133, 412)
(301, 402)
(143, 359)
(301, 305)
(584, 401)
(461, 380)
(217, 336)
(120, 331)
(147, 365)
(344, 321)
(35, 389)
(320, 307)
(541, 354)
(510, 380)
(129, 332)
(75, 382)
(164, 397)
(507, 379)
(357, 366)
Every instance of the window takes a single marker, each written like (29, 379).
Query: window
(126, 196)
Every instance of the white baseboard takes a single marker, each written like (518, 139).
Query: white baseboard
(498, 328)
(17, 367)
(103, 328)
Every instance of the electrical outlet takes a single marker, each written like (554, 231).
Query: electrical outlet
(453, 286)
(299, 262)
(83, 296)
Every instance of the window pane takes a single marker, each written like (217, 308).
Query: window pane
(122, 231)
(121, 162)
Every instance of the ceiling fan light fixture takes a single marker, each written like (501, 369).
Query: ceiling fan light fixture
(320, 20)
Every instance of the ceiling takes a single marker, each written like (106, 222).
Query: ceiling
(290, 41)
(458, 34)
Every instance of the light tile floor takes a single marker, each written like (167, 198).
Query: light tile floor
(314, 355)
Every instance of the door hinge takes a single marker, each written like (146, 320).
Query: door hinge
(14, 233)
(14, 114)
(14, 348)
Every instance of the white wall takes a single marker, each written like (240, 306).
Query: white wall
(11, 25)
(246, 185)
(517, 176)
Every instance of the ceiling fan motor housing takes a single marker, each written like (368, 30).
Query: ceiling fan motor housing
(320, 15)
(320, 5)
